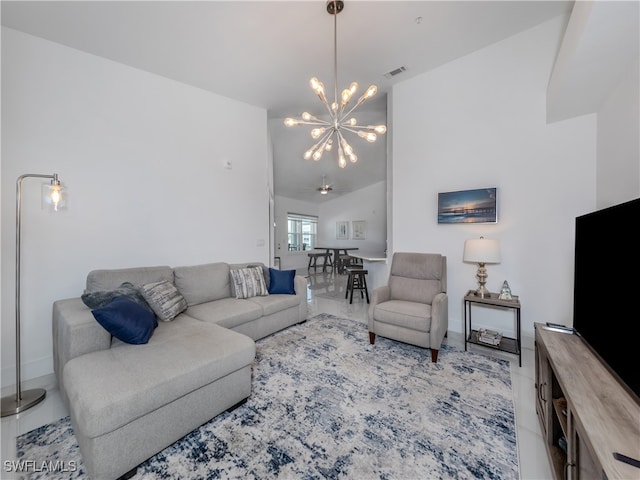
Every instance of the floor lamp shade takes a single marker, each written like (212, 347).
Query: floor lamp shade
(481, 251)
(54, 199)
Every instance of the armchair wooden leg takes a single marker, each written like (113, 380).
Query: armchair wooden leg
(372, 338)
(434, 355)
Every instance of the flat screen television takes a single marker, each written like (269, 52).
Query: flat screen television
(606, 304)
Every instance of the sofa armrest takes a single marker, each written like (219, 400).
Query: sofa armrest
(379, 295)
(300, 284)
(75, 332)
(439, 319)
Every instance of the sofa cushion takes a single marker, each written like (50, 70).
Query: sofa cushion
(111, 279)
(413, 290)
(126, 320)
(227, 312)
(111, 388)
(164, 299)
(275, 303)
(248, 282)
(203, 283)
(281, 281)
(414, 315)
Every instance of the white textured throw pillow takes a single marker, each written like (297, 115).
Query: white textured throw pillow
(249, 282)
(164, 299)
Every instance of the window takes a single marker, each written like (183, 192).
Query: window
(302, 231)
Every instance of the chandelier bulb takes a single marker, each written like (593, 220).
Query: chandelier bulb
(346, 147)
(381, 129)
(317, 132)
(371, 91)
(346, 97)
(342, 162)
(306, 116)
(307, 154)
(317, 155)
(328, 145)
(316, 85)
(368, 136)
(290, 122)
(352, 121)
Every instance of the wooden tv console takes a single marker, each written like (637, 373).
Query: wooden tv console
(578, 399)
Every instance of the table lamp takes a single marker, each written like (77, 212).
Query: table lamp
(481, 251)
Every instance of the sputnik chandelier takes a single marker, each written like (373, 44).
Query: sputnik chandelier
(326, 132)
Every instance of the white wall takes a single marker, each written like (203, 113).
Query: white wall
(142, 157)
(618, 173)
(480, 121)
(368, 204)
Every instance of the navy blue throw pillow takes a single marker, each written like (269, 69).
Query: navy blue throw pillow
(126, 320)
(281, 281)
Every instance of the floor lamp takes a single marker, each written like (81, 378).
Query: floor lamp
(52, 198)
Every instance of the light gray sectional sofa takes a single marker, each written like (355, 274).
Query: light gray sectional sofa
(127, 402)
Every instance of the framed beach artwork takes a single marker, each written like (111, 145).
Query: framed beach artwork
(468, 206)
(342, 230)
(359, 229)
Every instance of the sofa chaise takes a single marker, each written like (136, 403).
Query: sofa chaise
(129, 401)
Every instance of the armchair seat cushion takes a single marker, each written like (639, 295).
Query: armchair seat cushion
(413, 315)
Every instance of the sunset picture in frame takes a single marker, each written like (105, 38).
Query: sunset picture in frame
(468, 206)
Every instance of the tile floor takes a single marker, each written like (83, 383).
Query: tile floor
(325, 295)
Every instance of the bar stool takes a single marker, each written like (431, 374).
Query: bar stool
(357, 281)
(313, 261)
(345, 262)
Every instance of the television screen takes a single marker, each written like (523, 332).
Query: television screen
(606, 312)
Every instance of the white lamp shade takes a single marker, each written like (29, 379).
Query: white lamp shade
(481, 250)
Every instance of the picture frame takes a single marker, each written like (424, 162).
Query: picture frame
(359, 229)
(468, 206)
(342, 230)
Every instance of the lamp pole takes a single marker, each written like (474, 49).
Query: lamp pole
(23, 400)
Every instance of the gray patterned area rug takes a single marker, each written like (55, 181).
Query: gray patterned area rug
(327, 404)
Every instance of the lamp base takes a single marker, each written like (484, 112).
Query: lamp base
(11, 405)
(482, 292)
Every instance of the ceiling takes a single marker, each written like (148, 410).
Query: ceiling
(265, 52)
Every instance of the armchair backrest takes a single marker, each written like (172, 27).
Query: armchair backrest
(417, 277)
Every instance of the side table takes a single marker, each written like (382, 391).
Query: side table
(507, 344)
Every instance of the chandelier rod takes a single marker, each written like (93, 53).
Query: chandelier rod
(335, 52)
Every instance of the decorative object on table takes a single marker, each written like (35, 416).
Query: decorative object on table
(481, 251)
(490, 337)
(53, 198)
(505, 292)
(326, 131)
(468, 206)
(342, 230)
(359, 229)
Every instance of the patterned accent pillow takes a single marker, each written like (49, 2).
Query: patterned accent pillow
(164, 299)
(249, 282)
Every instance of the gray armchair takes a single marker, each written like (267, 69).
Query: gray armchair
(414, 307)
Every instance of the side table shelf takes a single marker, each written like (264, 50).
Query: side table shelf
(507, 344)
